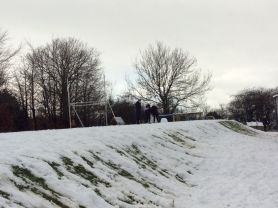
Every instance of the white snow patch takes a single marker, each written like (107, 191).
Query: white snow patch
(182, 164)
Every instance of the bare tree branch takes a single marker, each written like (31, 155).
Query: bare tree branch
(6, 55)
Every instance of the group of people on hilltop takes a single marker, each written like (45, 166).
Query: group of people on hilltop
(149, 111)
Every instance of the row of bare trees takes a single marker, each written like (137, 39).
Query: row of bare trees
(48, 72)
(6, 56)
(41, 82)
(12, 117)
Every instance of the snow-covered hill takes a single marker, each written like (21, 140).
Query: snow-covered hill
(184, 164)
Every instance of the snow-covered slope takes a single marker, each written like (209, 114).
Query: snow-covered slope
(184, 164)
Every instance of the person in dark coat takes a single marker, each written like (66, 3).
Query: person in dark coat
(265, 123)
(138, 111)
(154, 112)
(148, 114)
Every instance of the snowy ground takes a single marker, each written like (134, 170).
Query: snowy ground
(196, 164)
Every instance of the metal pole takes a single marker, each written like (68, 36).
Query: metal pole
(276, 102)
(78, 116)
(69, 104)
(106, 118)
(276, 109)
(111, 110)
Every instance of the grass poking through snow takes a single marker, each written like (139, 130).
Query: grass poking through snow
(238, 127)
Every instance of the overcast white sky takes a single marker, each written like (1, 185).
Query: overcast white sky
(236, 40)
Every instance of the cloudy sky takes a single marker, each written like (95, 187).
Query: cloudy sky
(236, 40)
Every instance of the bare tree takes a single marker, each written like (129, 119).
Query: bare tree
(26, 80)
(168, 77)
(6, 55)
(51, 69)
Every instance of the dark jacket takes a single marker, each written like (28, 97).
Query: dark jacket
(154, 110)
(138, 107)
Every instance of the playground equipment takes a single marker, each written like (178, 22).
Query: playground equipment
(105, 103)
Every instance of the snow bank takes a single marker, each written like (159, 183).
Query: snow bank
(181, 164)
(255, 123)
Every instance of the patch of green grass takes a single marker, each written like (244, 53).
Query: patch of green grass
(97, 191)
(20, 187)
(25, 174)
(4, 194)
(238, 127)
(122, 172)
(135, 149)
(131, 198)
(67, 162)
(112, 165)
(180, 179)
(91, 164)
(109, 163)
(186, 137)
(158, 137)
(163, 174)
(81, 171)
(55, 166)
(145, 184)
(155, 186)
(166, 139)
(117, 150)
(140, 158)
(126, 174)
(49, 197)
(20, 204)
(178, 137)
(96, 157)
(128, 199)
(179, 140)
(32, 182)
(189, 172)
